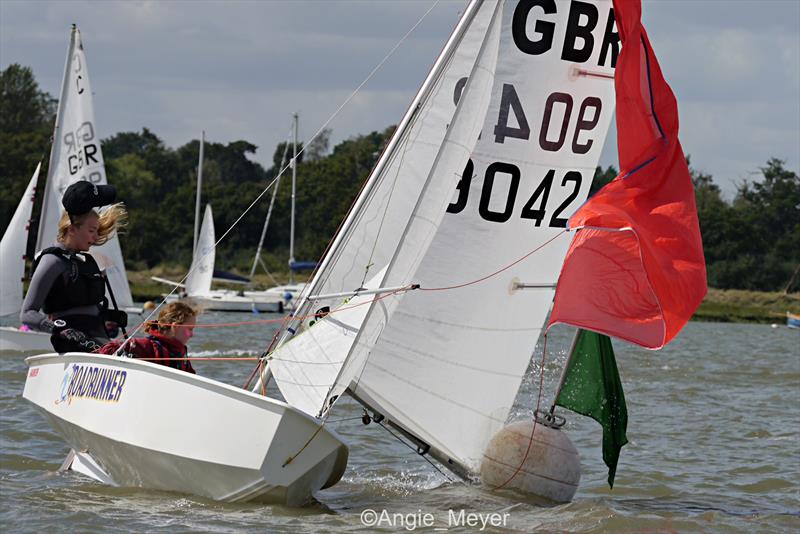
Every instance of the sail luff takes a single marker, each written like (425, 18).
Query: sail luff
(52, 164)
(388, 152)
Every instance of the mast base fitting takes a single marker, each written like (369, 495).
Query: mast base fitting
(546, 465)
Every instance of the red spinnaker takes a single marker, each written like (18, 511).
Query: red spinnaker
(635, 269)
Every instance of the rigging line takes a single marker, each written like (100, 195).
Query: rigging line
(295, 455)
(302, 149)
(424, 457)
(510, 265)
(535, 419)
(257, 257)
(207, 358)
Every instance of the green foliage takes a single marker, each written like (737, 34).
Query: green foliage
(602, 177)
(755, 242)
(26, 123)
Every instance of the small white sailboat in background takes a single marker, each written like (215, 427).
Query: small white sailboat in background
(12, 272)
(75, 155)
(197, 285)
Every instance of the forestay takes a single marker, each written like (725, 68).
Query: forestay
(12, 250)
(76, 155)
(202, 271)
(430, 133)
(448, 364)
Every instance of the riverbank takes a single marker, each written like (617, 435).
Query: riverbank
(720, 305)
(740, 306)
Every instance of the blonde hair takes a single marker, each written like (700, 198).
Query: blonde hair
(175, 313)
(111, 219)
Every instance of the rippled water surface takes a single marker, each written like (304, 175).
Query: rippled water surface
(714, 432)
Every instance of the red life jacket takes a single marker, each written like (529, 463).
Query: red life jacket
(158, 349)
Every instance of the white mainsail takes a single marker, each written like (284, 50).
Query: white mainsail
(370, 237)
(448, 366)
(199, 280)
(76, 155)
(12, 250)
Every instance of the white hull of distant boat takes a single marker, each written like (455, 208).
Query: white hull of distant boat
(146, 425)
(13, 339)
(226, 300)
(288, 294)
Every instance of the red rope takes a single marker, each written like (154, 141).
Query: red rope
(533, 429)
(510, 265)
(207, 358)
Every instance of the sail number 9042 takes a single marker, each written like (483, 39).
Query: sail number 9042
(536, 206)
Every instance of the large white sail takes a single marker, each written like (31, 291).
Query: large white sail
(199, 280)
(12, 250)
(76, 155)
(448, 365)
(370, 238)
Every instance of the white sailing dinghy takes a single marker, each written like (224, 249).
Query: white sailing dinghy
(497, 149)
(197, 285)
(75, 155)
(12, 272)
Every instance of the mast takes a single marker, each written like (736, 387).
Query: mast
(199, 189)
(51, 166)
(294, 187)
(269, 214)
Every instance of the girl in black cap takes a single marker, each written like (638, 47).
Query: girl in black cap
(67, 285)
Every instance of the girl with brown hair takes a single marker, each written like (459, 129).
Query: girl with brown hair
(165, 340)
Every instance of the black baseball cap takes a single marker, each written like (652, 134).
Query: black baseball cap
(81, 197)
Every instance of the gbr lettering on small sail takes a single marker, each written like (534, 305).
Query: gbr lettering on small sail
(76, 155)
(496, 152)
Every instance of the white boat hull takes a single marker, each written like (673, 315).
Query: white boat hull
(231, 301)
(150, 426)
(13, 339)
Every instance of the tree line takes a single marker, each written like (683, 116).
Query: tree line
(751, 242)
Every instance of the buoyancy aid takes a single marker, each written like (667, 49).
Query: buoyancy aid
(82, 285)
(154, 347)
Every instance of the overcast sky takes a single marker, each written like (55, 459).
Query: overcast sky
(238, 69)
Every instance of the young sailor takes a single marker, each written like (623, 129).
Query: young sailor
(67, 292)
(165, 342)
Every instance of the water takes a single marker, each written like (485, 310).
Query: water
(714, 431)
